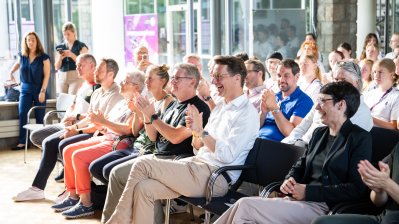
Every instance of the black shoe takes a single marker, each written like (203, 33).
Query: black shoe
(18, 148)
(60, 177)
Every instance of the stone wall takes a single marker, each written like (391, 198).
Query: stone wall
(336, 23)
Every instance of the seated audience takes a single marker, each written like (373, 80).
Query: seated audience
(225, 140)
(370, 38)
(310, 77)
(393, 43)
(156, 80)
(366, 66)
(334, 57)
(346, 49)
(372, 51)
(254, 81)
(85, 66)
(281, 112)
(384, 185)
(102, 99)
(343, 71)
(79, 155)
(325, 175)
(384, 100)
(272, 62)
(169, 131)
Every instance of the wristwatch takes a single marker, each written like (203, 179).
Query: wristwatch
(204, 134)
(275, 111)
(207, 98)
(154, 117)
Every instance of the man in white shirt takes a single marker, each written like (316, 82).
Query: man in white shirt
(343, 71)
(393, 43)
(254, 81)
(226, 140)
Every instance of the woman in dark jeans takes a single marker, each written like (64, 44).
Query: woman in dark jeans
(34, 67)
(384, 183)
(67, 79)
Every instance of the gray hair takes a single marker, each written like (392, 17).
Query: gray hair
(190, 70)
(137, 77)
(353, 69)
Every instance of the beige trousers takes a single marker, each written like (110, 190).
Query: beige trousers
(117, 182)
(68, 82)
(152, 179)
(272, 210)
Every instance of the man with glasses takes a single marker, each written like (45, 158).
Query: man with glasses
(169, 131)
(254, 81)
(342, 71)
(280, 113)
(393, 43)
(225, 140)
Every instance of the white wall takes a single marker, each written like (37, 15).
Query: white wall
(107, 25)
(4, 49)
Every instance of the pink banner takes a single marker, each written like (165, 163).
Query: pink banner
(141, 29)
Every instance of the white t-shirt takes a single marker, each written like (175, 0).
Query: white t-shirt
(384, 107)
(311, 89)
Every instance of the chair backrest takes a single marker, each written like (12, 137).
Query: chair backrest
(383, 142)
(64, 101)
(272, 161)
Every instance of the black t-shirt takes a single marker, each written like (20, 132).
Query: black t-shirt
(68, 63)
(175, 115)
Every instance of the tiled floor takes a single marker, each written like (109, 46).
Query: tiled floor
(16, 176)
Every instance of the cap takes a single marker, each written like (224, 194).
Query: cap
(275, 55)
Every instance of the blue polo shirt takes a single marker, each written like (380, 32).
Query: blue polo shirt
(297, 104)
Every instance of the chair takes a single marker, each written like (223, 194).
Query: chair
(383, 141)
(63, 102)
(267, 162)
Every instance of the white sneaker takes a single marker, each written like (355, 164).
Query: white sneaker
(61, 197)
(175, 208)
(29, 194)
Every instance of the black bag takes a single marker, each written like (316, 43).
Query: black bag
(11, 93)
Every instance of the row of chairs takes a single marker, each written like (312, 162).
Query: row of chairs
(269, 162)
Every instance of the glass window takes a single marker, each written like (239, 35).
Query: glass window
(281, 28)
(139, 6)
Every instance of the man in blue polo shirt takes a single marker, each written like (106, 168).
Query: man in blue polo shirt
(281, 112)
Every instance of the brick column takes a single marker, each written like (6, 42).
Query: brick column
(336, 23)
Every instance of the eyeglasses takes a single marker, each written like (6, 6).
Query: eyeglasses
(177, 79)
(323, 101)
(253, 70)
(219, 76)
(124, 82)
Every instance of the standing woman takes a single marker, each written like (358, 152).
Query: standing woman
(68, 80)
(34, 67)
(384, 100)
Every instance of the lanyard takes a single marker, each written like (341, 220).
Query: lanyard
(381, 99)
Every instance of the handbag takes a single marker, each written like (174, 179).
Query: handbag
(11, 92)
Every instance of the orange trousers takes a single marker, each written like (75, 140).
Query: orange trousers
(77, 158)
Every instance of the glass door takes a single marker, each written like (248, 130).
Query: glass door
(182, 31)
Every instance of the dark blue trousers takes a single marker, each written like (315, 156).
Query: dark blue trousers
(53, 146)
(101, 167)
(25, 104)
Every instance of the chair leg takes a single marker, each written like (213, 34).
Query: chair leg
(26, 144)
(167, 211)
(207, 217)
(191, 212)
